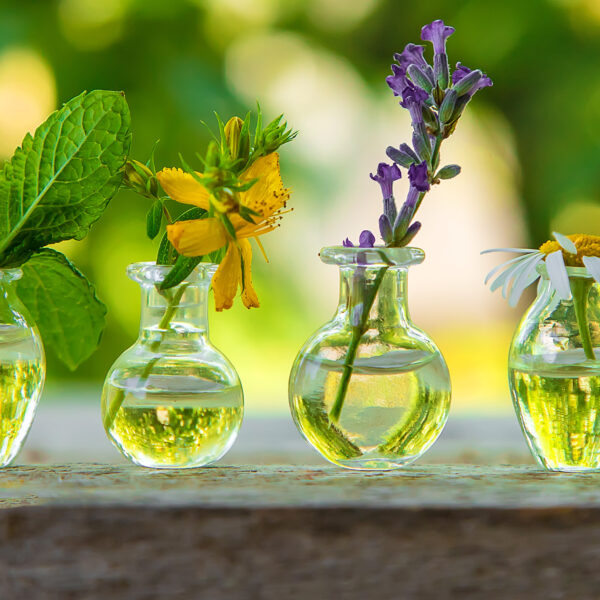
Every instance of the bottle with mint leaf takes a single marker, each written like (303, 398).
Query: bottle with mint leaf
(54, 188)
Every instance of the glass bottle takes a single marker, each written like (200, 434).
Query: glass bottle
(22, 368)
(369, 390)
(172, 400)
(554, 374)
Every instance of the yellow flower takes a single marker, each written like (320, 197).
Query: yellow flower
(267, 197)
(586, 245)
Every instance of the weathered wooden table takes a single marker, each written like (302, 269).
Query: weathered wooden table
(433, 531)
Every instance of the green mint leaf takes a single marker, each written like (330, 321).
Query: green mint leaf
(167, 255)
(64, 305)
(154, 219)
(183, 266)
(58, 183)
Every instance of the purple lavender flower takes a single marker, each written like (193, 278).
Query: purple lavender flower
(366, 239)
(413, 98)
(437, 33)
(397, 81)
(385, 177)
(461, 72)
(419, 178)
(347, 243)
(411, 55)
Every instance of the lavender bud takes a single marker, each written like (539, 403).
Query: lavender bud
(447, 107)
(448, 172)
(385, 228)
(406, 213)
(389, 208)
(430, 119)
(408, 150)
(366, 239)
(438, 95)
(347, 243)
(467, 83)
(400, 157)
(422, 146)
(420, 78)
(410, 233)
(441, 70)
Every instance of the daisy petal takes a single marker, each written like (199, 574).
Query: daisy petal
(504, 278)
(592, 264)
(557, 272)
(501, 266)
(565, 242)
(525, 279)
(518, 250)
(516, 273)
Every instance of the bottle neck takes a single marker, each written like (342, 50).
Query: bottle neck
(177, 313)
(380, 291)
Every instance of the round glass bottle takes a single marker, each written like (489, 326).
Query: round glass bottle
(554, 374)
(369, 390)
(172, 400)
(22, 368)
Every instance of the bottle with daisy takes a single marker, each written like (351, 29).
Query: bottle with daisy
(173, 400)
(369, 389)
(554, 366)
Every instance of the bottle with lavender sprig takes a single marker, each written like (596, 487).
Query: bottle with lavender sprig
(370, 390)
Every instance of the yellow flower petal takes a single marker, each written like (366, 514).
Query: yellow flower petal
(182, 187)
(249, 297)
(226, 280)
(267, 195)
(197, 237)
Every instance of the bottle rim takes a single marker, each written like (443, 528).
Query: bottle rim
(377, 256)
(149, 273)
(580, 272)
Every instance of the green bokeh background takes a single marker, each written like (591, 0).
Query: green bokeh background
(171, 60)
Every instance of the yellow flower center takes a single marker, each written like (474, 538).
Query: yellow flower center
(587, 245)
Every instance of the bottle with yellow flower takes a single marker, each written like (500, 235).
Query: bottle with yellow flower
(554, 366)
(173, 400)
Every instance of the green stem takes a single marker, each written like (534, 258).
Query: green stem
(357, 333)
(580, 287)
(163, 326)
(435, 153)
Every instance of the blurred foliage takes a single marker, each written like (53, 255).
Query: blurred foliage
(169, 57)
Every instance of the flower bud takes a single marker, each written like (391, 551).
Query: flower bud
(467, 83)
(448, 172)
(212, 154)
(430, 120)
(441, 70)
(385, 229)
(400, 157)
(233, 130)
(140, 178)
(410, 233)
(447, 107)
(420, 78)
(422, 145)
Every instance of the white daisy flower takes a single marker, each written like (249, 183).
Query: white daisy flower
(516, 274)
